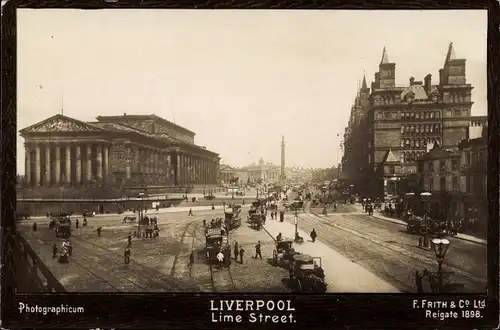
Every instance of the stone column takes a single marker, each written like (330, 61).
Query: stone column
(89, 163)
(27, 169)
(99, 162)
(78, 167)
(38, 164)
(68, 164)
(128, 169)
(169, 166)
(58, 164)
(178, 170)
(106, 162)
(47, 165)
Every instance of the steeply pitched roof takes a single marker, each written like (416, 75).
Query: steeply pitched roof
(450, 55)
(418, 91)
(363, 85)
(385, 58)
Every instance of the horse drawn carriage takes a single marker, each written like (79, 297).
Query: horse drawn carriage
(284, 251)
(295, 205)
(306, 274)
(256, 221)
(209, 197)
(232, 220)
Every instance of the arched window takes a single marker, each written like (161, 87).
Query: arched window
(407, 143)
(412, 115)
(402, 129)
(417, 143)
(426, 128)
(412, 143)
(405, 157)
(417, 129)
(410, 157)
(402, 143)
(431, 128)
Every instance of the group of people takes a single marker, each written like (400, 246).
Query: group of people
(66, 251)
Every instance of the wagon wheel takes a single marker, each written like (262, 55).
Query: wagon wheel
(275, 257)
(296, 285)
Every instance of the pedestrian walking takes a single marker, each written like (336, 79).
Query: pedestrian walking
(77, 223)
(242, 252)
(190, 212)
(126, 256)
(129, 239)
(313, 235)
(236, 250)
(220, 259)
(258, 252)
(54, 251)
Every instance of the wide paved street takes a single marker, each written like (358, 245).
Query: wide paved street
(157, 264)
(388, 251)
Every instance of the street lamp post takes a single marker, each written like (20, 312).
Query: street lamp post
(440, 247)
(426, 197)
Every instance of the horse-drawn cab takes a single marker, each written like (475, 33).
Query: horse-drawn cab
(306, 274)
(296, 205)
(284, 251)
(209, 197)
(256, 221)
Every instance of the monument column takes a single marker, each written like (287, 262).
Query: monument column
(38, 165)
(78, 167)
(89, 162)
(99, 162)
(58, 164)
(106, 162)
(68, 164)
(47, 164)
(27, 169)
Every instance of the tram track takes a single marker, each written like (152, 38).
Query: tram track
(398, 250)
(219, 279)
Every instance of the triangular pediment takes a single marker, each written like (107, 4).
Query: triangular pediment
(61, 124)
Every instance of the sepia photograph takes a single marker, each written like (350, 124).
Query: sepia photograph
(304, 151)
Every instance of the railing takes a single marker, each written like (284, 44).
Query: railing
(31, 273)
(98, 200)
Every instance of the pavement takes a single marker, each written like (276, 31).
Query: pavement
(342, 275)
(462, 236)
(157, 264)
(387, 250)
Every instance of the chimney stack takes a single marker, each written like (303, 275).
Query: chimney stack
(428, 83)
(412, 81)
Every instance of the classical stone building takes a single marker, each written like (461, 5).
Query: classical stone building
(391, 126)
(263, 171)
(127, 151)
(227, 174)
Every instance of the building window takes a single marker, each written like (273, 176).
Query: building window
(457, 113)
(402, 158)
(430, 166)
(402, 143)
(392, 169)
(437, 114)
(412, 143)
(402, 129)
(436, 128)
(407, 142)
(422, 142)
(431, 128)
(447, 113)
(413, 115)
(454, 164)
(442, 184)
(454, 183)
(417, 115)
(420, 167)
(426, 128)
(432, 115)
(442, 165)
(417, 129)
(417, 143)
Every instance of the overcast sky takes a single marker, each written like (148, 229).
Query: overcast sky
(239, 79)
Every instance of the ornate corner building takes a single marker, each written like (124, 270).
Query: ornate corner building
(131, 151)
(391, 126)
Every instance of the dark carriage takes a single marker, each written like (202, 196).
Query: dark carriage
(306, 274)
(256, 221)
(284, 251)
(62, 226)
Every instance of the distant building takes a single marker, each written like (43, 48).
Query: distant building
(227, 174)
(266, 172)
(391, 126)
